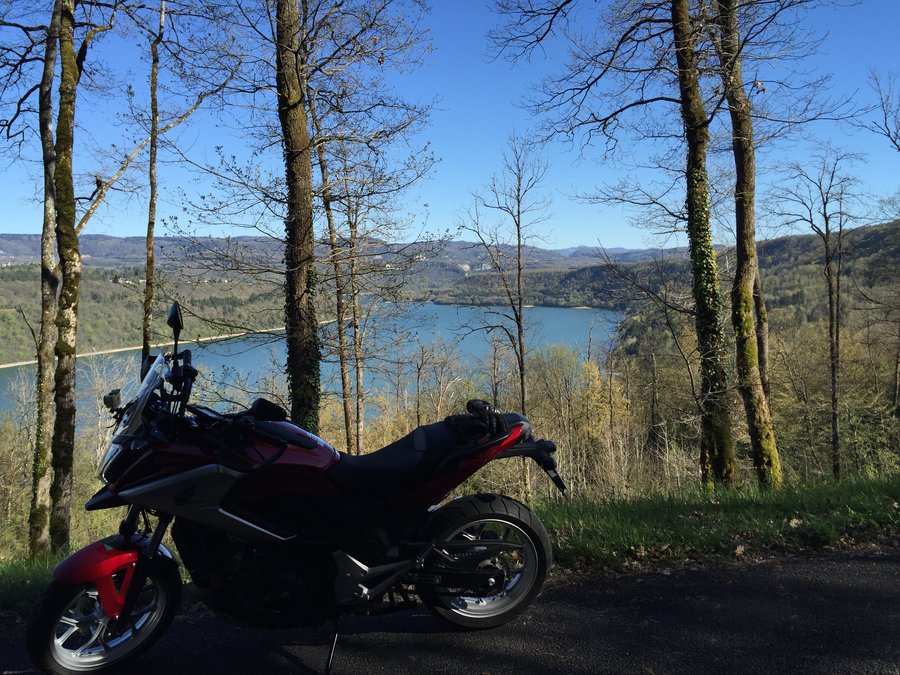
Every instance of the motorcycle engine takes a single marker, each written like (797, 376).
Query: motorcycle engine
(262, 585)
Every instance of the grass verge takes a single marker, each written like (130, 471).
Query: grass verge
(623, 534)
(21, 583)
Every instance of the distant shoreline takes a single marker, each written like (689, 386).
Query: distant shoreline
(155, 345)
(227, 336)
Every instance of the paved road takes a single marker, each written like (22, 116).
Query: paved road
(826, 614)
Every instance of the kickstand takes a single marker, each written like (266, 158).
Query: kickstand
(334, 642)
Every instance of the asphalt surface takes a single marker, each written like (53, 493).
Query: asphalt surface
(825, 614)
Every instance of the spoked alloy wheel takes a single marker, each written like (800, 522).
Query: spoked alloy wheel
(69, 633)
(521, 568)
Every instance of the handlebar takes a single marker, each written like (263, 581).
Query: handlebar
(181, 377)
(243, 421)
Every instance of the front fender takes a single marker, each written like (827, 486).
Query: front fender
(109, 565)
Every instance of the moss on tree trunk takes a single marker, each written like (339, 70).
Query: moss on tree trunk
(717, 464)
(303, 348)
(41, 477)
(760, 426)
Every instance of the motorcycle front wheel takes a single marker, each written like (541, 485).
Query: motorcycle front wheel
(69, 633)
(521, 570)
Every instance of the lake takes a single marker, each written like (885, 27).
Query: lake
(242, 359)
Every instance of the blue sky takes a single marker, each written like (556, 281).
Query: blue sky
(478, 107)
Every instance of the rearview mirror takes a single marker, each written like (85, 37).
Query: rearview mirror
(175, 322)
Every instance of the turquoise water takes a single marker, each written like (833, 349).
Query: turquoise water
(448, 329)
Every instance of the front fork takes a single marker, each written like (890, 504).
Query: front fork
(127, 529)
(127, 555)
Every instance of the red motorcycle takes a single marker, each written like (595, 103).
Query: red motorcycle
(277, 528)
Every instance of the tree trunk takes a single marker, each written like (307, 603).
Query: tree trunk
(654, 435)
(70, 265)
(339, 285)
(520, 326)
(420, 366)
(496, 372)
(762, 332)
(835, 355)
(356, 326)
(39, 513)
(717, 463)
(358, 368)
(303, 348)
(151, 209)
(520, 315)
(896, 396)
(743, 307)
(341, 321)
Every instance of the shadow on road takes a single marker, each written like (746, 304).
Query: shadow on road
(827, 614)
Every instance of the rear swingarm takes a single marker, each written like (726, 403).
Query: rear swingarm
(478, 581)
(356, 581)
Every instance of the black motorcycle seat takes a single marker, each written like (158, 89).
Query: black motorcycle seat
(401, 465)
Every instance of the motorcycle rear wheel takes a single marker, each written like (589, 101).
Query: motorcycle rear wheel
(68, 632)
(490, 518)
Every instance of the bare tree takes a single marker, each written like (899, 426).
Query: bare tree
(822, 197)
(515, 194)
(198, 67)
(887, 110)
(152, 184)
(887, 124)
(357, 123)
(340, 283)
(376, 272)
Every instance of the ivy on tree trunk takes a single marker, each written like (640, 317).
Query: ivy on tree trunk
(717, 464)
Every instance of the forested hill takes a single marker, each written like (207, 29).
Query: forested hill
(861, 244)
(791, 268)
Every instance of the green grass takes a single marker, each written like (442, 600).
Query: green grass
(657, 530)
(619, 534)
(21, 582)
